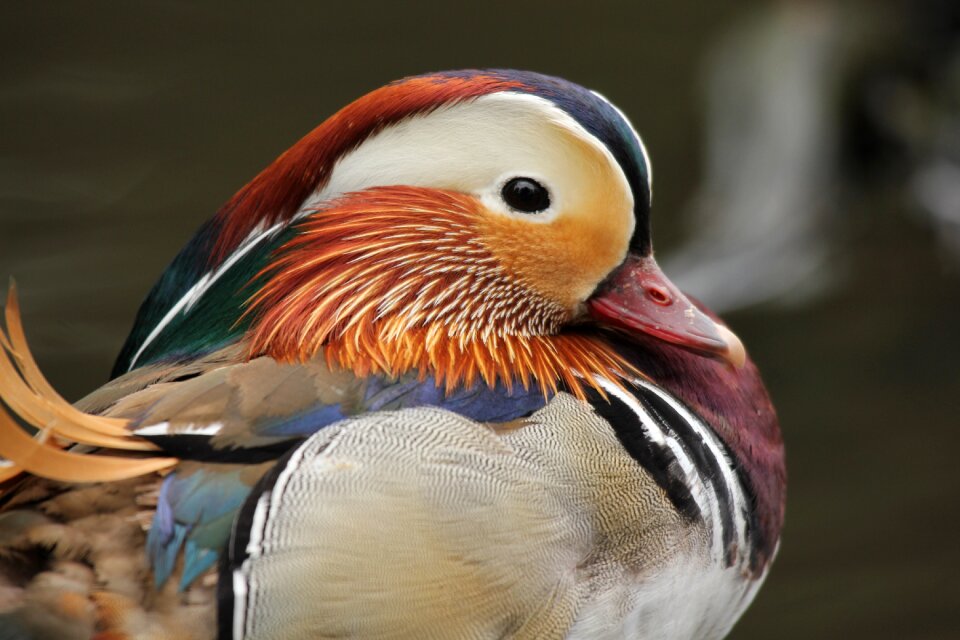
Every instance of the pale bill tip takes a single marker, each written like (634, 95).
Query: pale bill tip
(735, 352)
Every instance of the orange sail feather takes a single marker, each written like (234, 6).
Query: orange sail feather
(25, 392)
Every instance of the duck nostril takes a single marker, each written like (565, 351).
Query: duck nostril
(659, 295)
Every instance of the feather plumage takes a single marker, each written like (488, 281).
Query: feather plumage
(394, 390)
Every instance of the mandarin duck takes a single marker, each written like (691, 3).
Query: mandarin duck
(420, 378)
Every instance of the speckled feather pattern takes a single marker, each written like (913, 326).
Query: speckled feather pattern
(468, 533)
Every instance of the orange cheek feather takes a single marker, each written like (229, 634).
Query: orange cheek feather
(395, 279)
(565, 259)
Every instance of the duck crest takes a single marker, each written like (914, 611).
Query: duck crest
(387, 281)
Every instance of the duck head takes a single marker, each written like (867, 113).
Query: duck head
(469, 224)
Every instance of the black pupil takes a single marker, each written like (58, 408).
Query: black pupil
(526, 195)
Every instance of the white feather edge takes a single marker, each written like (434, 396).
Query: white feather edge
(161, 429)
(195, 292)
(264, 512)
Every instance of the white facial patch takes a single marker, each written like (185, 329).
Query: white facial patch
(473, 147)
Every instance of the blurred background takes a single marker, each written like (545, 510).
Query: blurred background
(807, 183)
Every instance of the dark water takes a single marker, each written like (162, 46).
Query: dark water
(122, 128)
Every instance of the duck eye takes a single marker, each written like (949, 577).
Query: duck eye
(525, 195)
